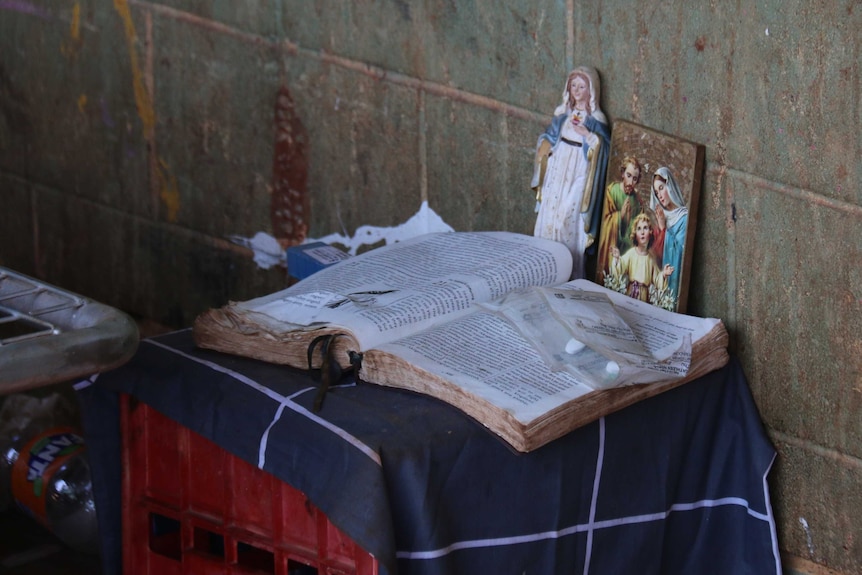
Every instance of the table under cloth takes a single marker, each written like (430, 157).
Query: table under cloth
(675, 484)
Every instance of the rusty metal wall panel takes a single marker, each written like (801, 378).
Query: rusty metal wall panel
(67, 116)
(816, 497)
(212, 97)
(477, 173)
(17, 225)
(504, 51)
(797, 311)
(364, 148)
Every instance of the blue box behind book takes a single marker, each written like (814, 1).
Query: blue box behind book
(306, 259)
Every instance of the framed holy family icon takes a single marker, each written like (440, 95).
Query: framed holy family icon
(649, 215)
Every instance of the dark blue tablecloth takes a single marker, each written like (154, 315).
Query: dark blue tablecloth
(675, 484)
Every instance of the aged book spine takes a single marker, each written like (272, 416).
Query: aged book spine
(234, 331)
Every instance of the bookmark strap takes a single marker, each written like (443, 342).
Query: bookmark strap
(355, 364)
(329, 370)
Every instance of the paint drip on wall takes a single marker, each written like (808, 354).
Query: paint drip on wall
(289, 205)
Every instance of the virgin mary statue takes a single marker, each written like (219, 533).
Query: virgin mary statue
(569, 175)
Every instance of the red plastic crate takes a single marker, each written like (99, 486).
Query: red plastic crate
(190, 507)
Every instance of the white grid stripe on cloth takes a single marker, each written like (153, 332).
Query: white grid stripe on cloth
(282, 401)
(593, 525)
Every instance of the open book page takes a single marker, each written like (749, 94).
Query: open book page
(390, 292)
(658, 330)
(517, 355)
(581, 333)
(578, 328)
(484, 357)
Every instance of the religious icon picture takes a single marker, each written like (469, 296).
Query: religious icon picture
(649, 215)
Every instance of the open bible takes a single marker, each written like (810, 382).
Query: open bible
(485, 321)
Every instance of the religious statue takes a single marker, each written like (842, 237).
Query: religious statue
(569, 174)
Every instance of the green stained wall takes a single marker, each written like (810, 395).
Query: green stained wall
(136, 135)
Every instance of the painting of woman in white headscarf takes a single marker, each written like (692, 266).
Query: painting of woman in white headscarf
(570, 166)
(671, 215)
